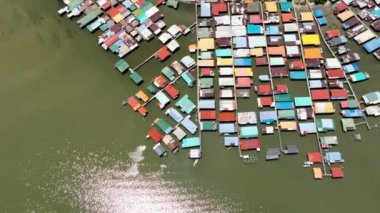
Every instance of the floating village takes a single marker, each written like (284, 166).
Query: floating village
(245, 52)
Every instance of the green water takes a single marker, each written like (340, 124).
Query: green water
(65, 139)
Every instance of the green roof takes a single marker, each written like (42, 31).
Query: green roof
(121, 65)
(185, 104)
(168, 73)
(208, 125)
(283, 97)
(89, 17)
(151, 88)
(172, 3)
(163, 125)
(286, 114)
(325, 124)
(206, 83)
(73, 4)
(249, 132)
(136, 78)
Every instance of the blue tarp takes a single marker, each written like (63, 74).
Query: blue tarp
(372, 45)
(246, 62)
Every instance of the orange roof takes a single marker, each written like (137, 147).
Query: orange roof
(256, 52)
(317, 173)
(313, 53)
(142, 95)
(287, 17)
(279, 50)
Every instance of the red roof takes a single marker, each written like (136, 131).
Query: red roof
(335, 73)
(155, 135)
(279, 71)
(255, 19)
(314, 157)
(106, 5)
(207, 114)
(287, 17)
(206, 72)
(115, 10)
(281, 88)
(172, 91)
(134, 103)
(265, 101)
(243, 82)
(340, 7)
(320, 94)
(339, 94)
(261, 61)
(160, 81)
(218, 8)
(332, 33)
(160, 2)
(163, 53)
(248, 144)
(227, 117)
(142, 111)
(344, 104)
(337, 172)
(264, 89)
(111, 40)
(140, 2)
(297, 65)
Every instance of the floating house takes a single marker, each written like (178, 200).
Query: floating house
(227, 128)
(160, 150)
(163, 125)
(185, 105)
(162, 99)
(122, 66)
(333, 157)
(174, 114)
(325, 124)
(189, 125)
(306, 128)
(191, 142)
(155, 135)
(371, 98)
(348, 124)
(248, 131)
(179, 133)
(314, 157)
(172, 144)
(250, 144)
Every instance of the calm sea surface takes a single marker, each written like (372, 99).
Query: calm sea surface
(66, 145)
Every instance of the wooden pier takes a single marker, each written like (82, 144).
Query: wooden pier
(347, 81)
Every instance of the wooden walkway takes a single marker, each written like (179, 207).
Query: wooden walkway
(347, 81)
(271, 77)
(154, 54)
(307, 81)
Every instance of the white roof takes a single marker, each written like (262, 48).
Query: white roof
(226, 81)
(173, 45)
(165, 37)
(292, 50)
(257, 41)
(222, 20)
(276, 61)
(348, 2)
(151, 11)
(237, 20)
(364, 36)
(226, 71)
(227, 105)
(174, 30)
(188, 61)
(290, 27)
(227, 93)
(333, 63)
(241, 53)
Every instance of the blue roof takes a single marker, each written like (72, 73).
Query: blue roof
(173, 113)
(376, 12)
(206, 104)
(240, 42)
(352, 113)
(285, 105)
(372, 45)
(189, 125)
(350, 68)
(226, 52)
(243, 61)
(205, 9)
(231, 141)
(333, 157)
(254, 29)
(226, 128)
(297, 75)
(322, 21)
(318, 12)
(191, 142)
(273, 30)
(268, 116)
(307, 127)
(303, 101)
(286, 6)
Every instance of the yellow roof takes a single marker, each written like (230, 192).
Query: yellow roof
(256, 52)
(243, 71)
(206, 63)
(205, 44)
(288, 125)
(271, 7)
(345, 15)
(310, 39)
(142, 95)
(312, 53)
(306, 16)
(324, 107)
(317, 173)
(118, 18)
(224, 61)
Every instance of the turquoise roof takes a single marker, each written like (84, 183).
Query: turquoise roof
(302, 101)
(249, 132)
(191, 142)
